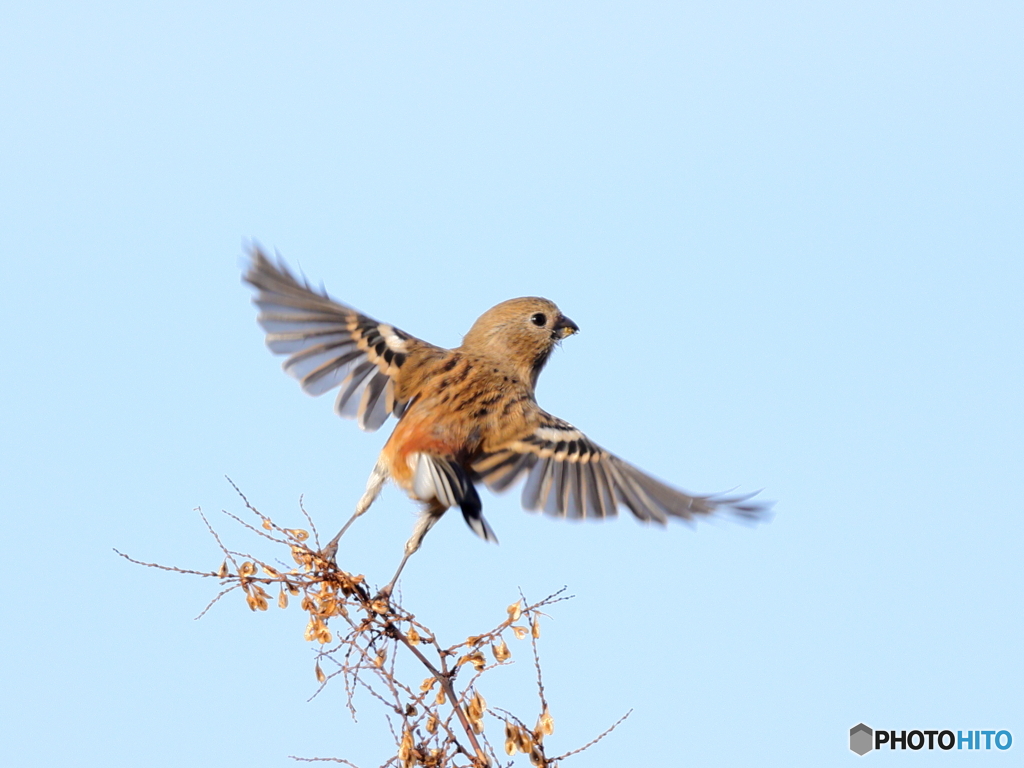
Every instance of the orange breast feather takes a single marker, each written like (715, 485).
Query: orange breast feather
(417, 432)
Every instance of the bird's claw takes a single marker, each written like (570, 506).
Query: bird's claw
(330, 551)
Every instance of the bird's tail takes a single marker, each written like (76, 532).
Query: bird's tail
(436, 478)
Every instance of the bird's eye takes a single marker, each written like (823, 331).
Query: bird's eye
(539, 319)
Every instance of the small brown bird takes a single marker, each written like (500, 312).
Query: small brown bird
(464, 415)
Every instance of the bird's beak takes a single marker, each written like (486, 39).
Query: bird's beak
(565, 327)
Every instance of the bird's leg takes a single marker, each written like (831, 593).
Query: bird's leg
(378, 477)
(426, 521)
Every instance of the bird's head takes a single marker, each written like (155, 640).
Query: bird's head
(522, 332)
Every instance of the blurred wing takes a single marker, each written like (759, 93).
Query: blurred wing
(330, 344)
(569, 476)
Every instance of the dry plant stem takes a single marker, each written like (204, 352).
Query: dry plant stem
(325, 760)
(433, 729)
(443, 677)
(251, 508)
(593, 741)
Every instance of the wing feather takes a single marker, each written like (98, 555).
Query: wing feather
(330, 344)
(576, 501)
(534, 481)
(568, 475)
(554, 500)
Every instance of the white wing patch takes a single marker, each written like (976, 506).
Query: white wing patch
(395, 342)
(558, 434)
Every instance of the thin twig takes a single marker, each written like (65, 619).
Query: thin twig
(205, 574)
(323, 760)
(312, 525)
(593, 741)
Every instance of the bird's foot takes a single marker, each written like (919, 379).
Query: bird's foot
(381, 602)
(330, 551)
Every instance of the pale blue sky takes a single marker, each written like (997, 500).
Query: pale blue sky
(791, 234)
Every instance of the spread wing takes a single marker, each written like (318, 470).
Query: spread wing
(568, 475)
(332, 345)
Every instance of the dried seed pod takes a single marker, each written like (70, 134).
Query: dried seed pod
(328, 606)
(313, 629)
(431, 724)
(427, 684)
(246, 569)
(270, 572)
(267, 525)
(282, 599)
(476, 658)
(546, 723)
(297, 533)
(501, 651)
(406, 750)
(515, 610)
(519, 632)
(477, 705)
(524, 740)
(323, 594)
(535, 627)
(475, 719)
(413, 636)
(320, 676)
(222, 572)
(475, 712)
(510, 739)
(439, 699)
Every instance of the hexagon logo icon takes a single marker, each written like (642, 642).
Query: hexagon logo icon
(861, 739)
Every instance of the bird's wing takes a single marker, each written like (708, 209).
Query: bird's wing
(568, 475)
(332, 345)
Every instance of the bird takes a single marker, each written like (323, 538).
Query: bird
(465, 416)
